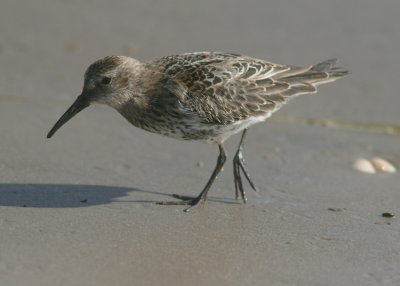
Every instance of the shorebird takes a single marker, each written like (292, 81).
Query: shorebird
(204, 96)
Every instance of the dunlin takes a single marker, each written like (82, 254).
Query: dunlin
(206, 96)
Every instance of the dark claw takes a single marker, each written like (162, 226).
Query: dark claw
(185, 201)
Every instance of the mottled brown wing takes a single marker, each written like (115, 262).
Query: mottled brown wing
(225, 88)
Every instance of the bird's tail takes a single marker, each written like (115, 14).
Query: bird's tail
(327, 72)
(305, 80)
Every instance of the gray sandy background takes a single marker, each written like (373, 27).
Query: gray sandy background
(77, 209)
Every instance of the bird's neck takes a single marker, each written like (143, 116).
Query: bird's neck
(134, 110)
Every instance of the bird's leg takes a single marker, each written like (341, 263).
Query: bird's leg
(203, 195)
(238, 166)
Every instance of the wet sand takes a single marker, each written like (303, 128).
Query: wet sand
(78, 209)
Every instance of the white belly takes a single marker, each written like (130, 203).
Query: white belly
(213, 133)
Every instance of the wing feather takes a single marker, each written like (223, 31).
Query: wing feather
(224, 88)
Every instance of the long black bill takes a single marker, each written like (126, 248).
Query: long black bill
(79, 104)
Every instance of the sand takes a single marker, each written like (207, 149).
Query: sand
(78, 209)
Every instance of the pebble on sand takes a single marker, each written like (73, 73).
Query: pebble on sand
(382, 165)
(373, 166)
(363, 165)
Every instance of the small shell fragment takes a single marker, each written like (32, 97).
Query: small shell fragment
(364, 166)
(382, 165)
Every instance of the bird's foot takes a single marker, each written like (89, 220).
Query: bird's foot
(184, 200)
(239, 166)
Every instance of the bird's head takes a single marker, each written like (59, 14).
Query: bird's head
(109, 81)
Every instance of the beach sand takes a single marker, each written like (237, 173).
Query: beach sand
(78, 209)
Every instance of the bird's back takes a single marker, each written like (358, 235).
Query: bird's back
(224, 87)
(216, 93)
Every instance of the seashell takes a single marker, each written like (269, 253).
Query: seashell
(382, 165)
(363, 165)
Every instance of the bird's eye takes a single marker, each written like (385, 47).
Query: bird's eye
(105, 80)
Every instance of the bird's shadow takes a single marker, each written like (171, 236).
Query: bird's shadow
(70, 196)
(62, 196)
